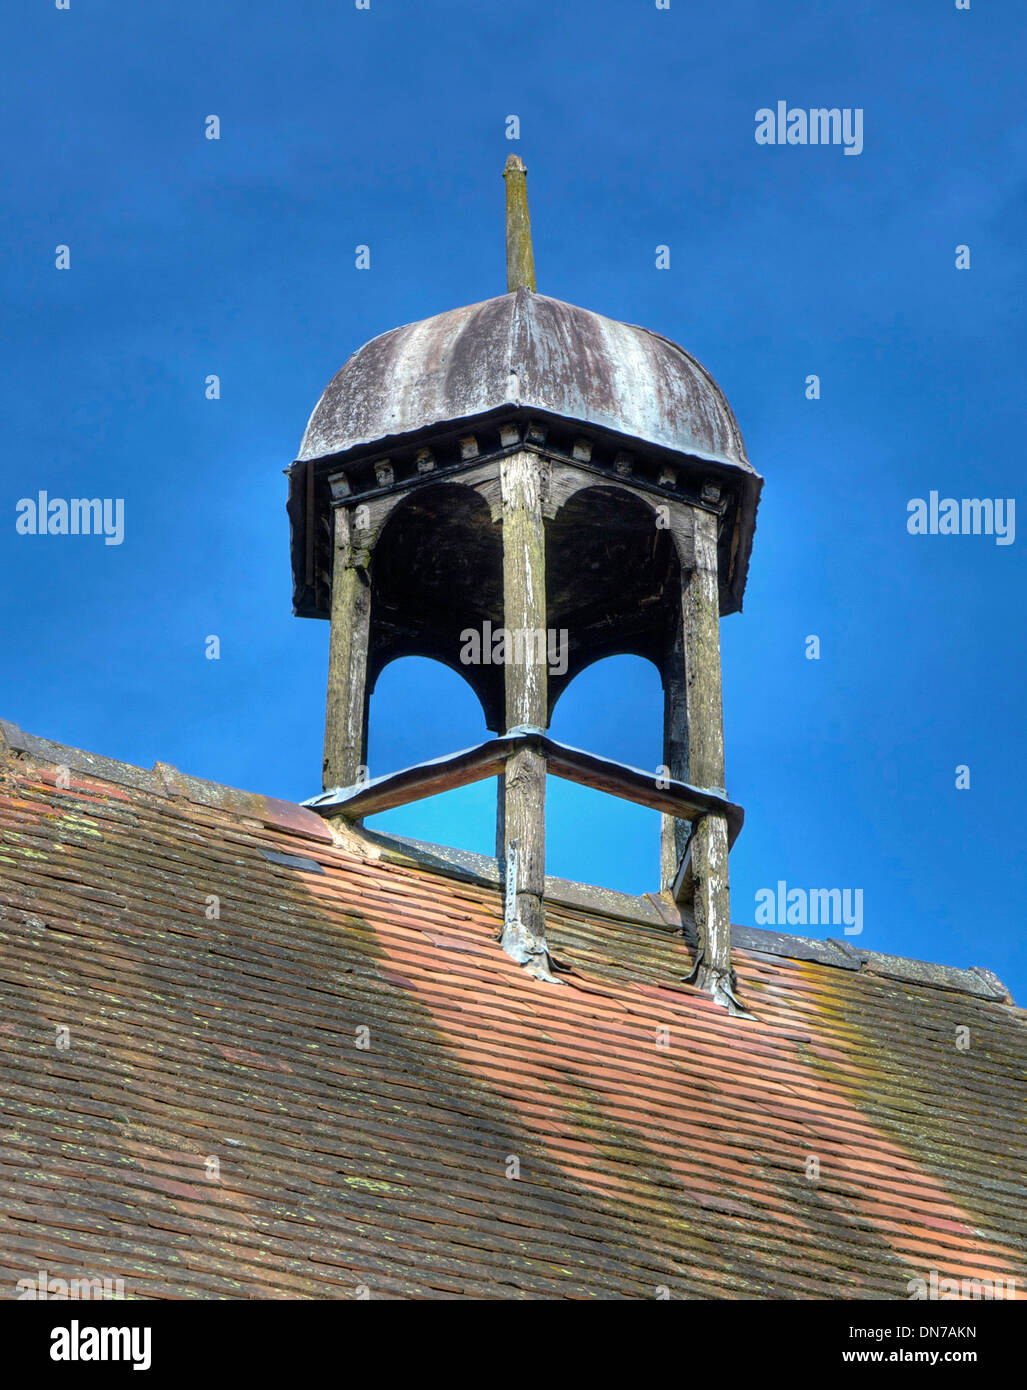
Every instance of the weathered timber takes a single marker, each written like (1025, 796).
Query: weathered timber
(523, 787)
(674, 830)
(517, 540)
(520, 259)
(682, 886)
(524, 583)
(431, 778)
(700, 633)
(490, 758)
(345, 746)
(501, 822)
(644, 788)
(310, 513)
(524, 932)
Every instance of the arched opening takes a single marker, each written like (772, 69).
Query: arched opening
(613, 592)
(420, 710)
(612, 580)
(437, 572)
(613, 708)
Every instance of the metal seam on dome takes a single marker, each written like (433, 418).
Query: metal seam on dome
(345, 418)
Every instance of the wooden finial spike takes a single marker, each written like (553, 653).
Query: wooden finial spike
(520, 260)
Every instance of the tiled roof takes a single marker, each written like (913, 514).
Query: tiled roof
(497, 1136)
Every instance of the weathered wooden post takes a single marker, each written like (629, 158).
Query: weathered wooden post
(521, 847)
(520, 259)
(674, 832)
(704, 720)
(523, 785)
(345, 746)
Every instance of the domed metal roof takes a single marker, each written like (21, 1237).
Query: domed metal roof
(524, 349)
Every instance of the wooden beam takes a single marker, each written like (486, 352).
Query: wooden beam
(524, 586)
(489, 759)
(708, 847)
(345, 746)
(674, 831)
(674, 798)
(520, 259)
(526, 685)
(414, 783)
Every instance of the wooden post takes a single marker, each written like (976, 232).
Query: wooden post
(345, 749)
(523, 785)
(674, 832)
(700, 633)
(520, 259)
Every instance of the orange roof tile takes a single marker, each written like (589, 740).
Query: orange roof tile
(216, 1127)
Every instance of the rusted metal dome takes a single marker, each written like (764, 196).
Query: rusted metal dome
(529, 351)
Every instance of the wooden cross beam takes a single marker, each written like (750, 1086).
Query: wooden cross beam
(489, 759)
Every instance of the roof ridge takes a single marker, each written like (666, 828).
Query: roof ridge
(164, 780)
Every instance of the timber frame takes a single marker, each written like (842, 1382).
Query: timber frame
(489, 759)
(452, 452)
(536, 525)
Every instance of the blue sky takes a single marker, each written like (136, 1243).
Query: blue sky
(387, 127)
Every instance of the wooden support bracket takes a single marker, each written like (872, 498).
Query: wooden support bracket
(490, 758)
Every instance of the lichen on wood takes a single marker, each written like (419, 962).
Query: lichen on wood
(520, 259)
